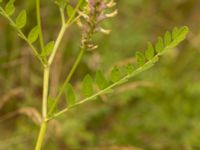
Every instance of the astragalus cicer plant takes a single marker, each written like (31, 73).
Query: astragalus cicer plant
(88, 15)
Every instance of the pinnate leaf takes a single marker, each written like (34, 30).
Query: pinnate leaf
(178, 36)
(181, 35)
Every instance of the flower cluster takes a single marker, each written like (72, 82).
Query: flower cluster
(92, 15)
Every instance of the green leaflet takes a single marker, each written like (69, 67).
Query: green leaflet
(48, 49)
(178, 36)
(115, 74)
(33, 34)
(101, 80)
(71, 98)
(21, 19)
(129, 69)
(167, 38)
(149, 53)
(159, 45)
(10, 8)
(70, 10)
(140, 58)
(87, 87)
(174, 33)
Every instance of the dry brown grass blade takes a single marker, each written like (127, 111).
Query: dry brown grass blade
(30, 112)
(12, 93)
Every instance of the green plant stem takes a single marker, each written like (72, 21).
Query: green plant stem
(57, 43)
(44, 108)
(39, 24)
(48, 65)
(62, 16)
(80, 55)
(107, 89)
(41, 135)
(45, 91)
(21, 34)
(63, 29)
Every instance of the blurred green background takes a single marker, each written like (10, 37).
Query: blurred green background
(157, 110)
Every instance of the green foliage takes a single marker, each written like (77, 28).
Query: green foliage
(33, 34)
(10, 8)
(87, 87)
(140, 58)
(159, 45)
(48, 49)
(21, 19)
(129, 69)
(117, 77)
(167, 38)
(149, 53)
(115, 74)
(101, 80)
(178, 35)
(71, 98)
(144, 62)
(70, 10)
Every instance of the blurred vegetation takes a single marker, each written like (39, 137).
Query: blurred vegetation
(158, 110)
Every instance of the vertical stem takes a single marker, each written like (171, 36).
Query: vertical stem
(45, 91)
(44, 108)
(41, 136)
